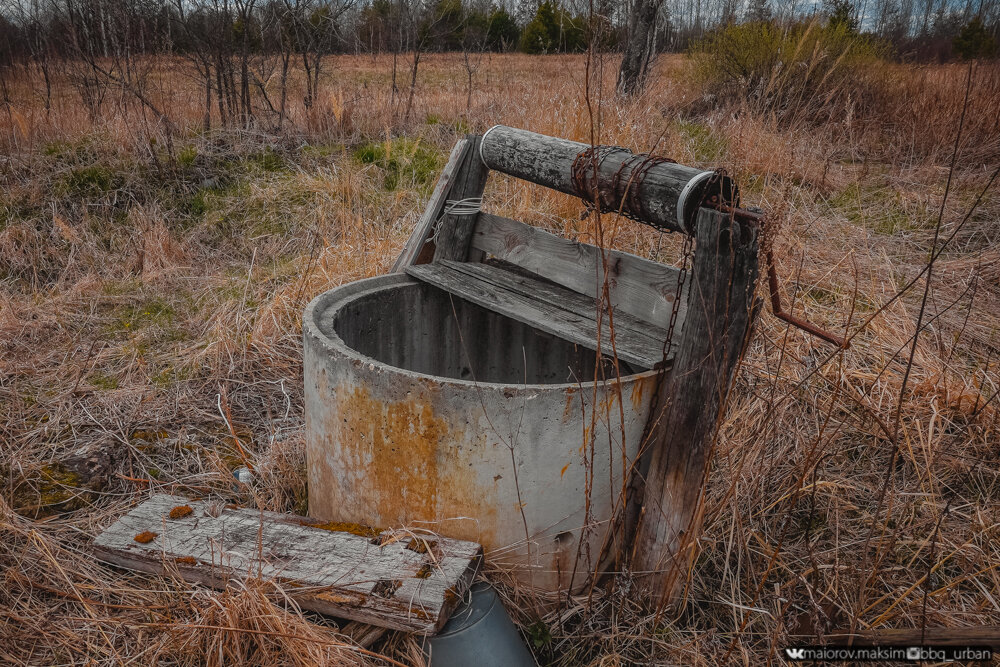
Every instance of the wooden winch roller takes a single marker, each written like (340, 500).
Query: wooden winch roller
(647, 188)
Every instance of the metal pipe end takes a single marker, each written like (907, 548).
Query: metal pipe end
(483, 141)
(481, 633)
(689, 187)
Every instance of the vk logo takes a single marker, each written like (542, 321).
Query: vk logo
(795, 653)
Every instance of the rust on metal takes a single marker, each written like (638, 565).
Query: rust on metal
(626, 199)
(759, 219)
(614, 196)
(631, 192)
(808, 327)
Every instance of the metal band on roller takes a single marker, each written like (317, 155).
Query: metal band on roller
(682, 199)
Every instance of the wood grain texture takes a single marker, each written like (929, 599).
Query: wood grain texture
(363, 634)
(652, 196)
(638, 338)
(419, 248)
(412, 583)
(636, 286)
(454, 231)
(548, 307)
(684, 421)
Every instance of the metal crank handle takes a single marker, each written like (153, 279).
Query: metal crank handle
(759, 219)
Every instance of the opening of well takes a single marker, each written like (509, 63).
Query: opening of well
(421, 328)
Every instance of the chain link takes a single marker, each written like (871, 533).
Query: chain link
(639, 164)
(627, 201)
(615, 198)
(675, 309)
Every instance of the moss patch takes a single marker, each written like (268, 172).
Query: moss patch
(403, 162)
(154, 317)
(102, 381)
(704, 144)
(186, 156)
(879, 208)
(343, 527)
(87, 181)
(49, 490)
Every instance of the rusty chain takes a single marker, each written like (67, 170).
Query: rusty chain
(629, 204)
(675, 307)
(615, 199)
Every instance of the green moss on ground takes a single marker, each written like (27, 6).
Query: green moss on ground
(403, 162)
(703, 143)
(49, 490)
(880, 208)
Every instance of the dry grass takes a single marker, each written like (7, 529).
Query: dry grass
(150, 324)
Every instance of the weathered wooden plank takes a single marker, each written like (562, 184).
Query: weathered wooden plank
(454, 231)
(652, 191)
(638, 336)
(398, 580)
(419, 248)
(547, 307)
(684, 420)
(637, 286)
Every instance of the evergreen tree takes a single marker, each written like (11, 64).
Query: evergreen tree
(974, 41)
(442, 26)
(502, 30)
(552, 30)
(840, 13)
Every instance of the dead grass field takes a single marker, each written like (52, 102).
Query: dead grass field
(150, 302)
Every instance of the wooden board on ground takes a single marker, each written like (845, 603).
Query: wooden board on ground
(395, 579)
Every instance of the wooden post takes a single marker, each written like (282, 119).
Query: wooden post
(419, 248)
(454, 232)
(721, 310)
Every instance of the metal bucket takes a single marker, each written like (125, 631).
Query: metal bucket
(479, 633)
(426, 410)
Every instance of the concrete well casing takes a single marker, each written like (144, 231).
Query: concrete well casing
(427, 411)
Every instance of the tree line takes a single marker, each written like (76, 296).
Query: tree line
(238, 49)
(30, 29)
